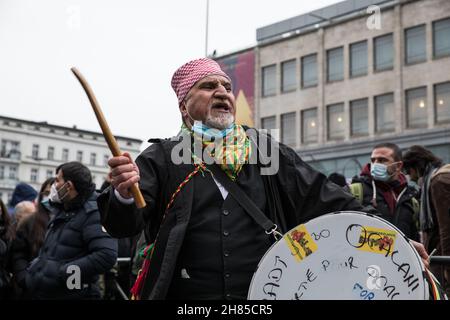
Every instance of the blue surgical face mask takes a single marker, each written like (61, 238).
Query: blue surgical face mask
(380, 171)
(203, 130)
(45, 200)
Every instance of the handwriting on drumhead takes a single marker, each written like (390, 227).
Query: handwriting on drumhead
(362, 238)
(310, 276)
(374, 240)
(383, 240)
(275, 275)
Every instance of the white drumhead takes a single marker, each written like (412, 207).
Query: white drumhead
(342, 255)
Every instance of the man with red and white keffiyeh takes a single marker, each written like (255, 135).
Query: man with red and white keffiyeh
(202, 244)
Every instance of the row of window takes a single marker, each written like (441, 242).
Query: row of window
(12, 174)
(11, 149)
(65, 155)
(383, 53)
(52, 130)
(384, 106)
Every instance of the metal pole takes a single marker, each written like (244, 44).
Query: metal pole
(207, 26)
(124, 296)
(126, 259)
(442, 260)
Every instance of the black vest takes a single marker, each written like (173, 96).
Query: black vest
(223, 244)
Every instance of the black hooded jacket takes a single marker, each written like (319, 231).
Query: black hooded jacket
(402, 215)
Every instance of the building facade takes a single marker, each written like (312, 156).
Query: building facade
(31, 151)
(338, 80)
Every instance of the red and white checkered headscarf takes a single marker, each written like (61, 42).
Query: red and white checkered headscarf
(188, 74)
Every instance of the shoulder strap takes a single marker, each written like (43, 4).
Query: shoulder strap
(416, 206)
(416, 211)
(246, 203)
(357, 191)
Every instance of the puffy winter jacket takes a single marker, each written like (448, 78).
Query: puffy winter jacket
(76, 250)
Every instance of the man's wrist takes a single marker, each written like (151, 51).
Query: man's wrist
(123, 200)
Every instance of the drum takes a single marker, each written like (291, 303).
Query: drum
(344, 256)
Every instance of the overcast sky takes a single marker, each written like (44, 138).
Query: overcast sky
(127, 50)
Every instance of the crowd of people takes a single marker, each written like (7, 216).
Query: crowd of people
(52, 244)
(71, 241)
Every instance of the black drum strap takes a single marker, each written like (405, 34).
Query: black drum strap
(246, 203)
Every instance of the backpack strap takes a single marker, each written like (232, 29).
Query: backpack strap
(416, 209)
(357, 191)
(416, 206)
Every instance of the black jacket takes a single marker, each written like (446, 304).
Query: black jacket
(296, 194)
(4, 274)
(22, 252)
(5, 247)
(403, 217)
(21, 255)
(74, 238)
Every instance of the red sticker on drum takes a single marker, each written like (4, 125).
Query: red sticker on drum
(377, 240)
(300, 243)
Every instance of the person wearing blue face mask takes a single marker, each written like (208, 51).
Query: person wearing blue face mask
(382, 185)
(75, 246)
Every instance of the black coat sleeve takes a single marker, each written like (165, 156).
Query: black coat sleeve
(122, 220)
(20, 255)
(310, 193)
(101, 248)
(3, 252)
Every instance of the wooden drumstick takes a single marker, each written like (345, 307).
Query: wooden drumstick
(110, 140)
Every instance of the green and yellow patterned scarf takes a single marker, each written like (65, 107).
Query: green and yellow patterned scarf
(234, 152)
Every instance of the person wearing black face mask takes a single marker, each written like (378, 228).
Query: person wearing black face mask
(383, 185)
(76, 249)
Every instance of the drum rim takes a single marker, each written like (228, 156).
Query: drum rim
(352, 212)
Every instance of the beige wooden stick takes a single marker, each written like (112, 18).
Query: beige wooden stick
(110, 140)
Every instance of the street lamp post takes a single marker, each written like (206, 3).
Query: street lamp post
(207, 27)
